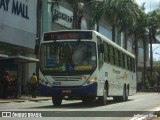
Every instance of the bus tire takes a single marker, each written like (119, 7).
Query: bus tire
(126, 94)
(57, 101)
(103, 99)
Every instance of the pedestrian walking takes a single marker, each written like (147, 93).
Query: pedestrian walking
(34, 85)
(5, 83)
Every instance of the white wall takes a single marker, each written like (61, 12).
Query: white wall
(18, 22)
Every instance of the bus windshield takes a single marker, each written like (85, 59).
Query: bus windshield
(68, 57)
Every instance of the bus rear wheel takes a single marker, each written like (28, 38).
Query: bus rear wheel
(125, 94)
(57, 101)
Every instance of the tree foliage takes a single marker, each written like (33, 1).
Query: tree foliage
(154, 22)
(124, 13)
(119, 13)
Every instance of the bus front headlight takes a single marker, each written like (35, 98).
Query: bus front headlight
(92, 80)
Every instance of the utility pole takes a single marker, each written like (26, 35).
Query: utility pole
(151, 54)
(75, 17)
(144, 60)
(38, 34)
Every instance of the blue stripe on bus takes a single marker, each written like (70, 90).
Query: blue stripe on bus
(89, 90)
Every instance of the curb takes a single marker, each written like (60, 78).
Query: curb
(23, 99)
(9, 101)
(36, 100)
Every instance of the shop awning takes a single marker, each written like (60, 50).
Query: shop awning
(3, 56)
(23, 59)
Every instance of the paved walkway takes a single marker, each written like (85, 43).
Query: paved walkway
(24, 98)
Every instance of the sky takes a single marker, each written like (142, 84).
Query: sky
(156, 52)
(150, 5)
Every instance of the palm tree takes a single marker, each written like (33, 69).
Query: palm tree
(154, 26)
(140, 33)
(119, 13)
(97, 12)
(154, 23)
(139, 29)
(128, 18)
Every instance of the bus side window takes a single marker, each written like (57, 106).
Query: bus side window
(120, 58)
(114, 60)
(123, 61)
(117, 57)
(133, 65)
(106, 52)
(126, 66)
(112, 55)
(109, 56)
(100, 54)
(128, 62)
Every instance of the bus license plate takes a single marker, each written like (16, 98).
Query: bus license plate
(66, 91)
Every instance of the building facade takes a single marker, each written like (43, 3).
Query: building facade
(18, 30)
(62, 16)
(18, 23)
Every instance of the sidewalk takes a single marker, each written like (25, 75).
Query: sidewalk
(24, 98)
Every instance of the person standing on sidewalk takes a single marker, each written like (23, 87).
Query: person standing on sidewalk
(34, 83)
(5, 82)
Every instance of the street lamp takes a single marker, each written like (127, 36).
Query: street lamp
(38, 34)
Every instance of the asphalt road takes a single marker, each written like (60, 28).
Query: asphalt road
(136, 105)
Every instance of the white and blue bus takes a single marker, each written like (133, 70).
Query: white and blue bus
(85, 65)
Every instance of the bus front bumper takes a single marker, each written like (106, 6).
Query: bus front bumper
(79, 91)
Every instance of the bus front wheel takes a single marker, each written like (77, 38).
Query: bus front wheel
(57, 101)
(103, 99)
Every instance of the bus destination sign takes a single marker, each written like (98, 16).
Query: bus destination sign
(68, 35)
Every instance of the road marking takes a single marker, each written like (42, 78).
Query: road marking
(145, 115)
